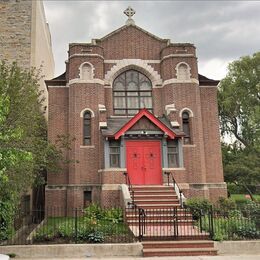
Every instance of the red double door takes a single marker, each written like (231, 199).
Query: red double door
(143, 160)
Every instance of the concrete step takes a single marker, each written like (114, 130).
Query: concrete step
(157, 206)
(178, 244)
(178, 251)
(160, 222)
(152, 188)
(154, 193)
(156, 196)
(158, 217)
(156, 201)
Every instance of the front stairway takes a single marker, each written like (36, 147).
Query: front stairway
(163, 226)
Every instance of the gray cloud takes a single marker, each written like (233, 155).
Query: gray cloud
(221, 30)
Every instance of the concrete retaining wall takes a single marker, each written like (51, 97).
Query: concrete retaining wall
(115, 250)
(73, 250)
(238, 247)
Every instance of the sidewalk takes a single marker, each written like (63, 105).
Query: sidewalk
(226, 257)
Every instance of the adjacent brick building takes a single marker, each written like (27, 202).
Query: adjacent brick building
(135, 103)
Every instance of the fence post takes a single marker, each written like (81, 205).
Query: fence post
(211, 217)
(76, 225)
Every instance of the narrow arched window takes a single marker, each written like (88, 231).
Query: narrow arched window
(183, 72)
(132, 91)
(86, 71)
(186, 127)
(87, 128)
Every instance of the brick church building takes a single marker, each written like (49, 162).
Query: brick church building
(135, 103)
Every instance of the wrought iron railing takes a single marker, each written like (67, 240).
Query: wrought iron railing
(172, 181)
(130, 186)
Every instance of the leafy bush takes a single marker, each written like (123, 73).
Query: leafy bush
(96, 237)
(225, 204)
(198, 206)
(114, 215)
(65, 230)
(248, 232)
(93, 211)
(7, 213)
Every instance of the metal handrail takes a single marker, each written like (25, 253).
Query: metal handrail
(129, 184)
(176, 187)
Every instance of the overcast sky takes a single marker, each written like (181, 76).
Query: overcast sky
(222, 31)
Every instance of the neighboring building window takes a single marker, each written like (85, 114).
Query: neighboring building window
(186, 127)
(173, 154)
(87, 128)
(114, 154)
(132, 91)
(183, 72)
(86, 71)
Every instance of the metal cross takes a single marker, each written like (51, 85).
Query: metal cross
(129, 12)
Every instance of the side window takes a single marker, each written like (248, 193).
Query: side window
(87, 128)
(114, 154)
(173, 154)
(186, 127)
(183, 72)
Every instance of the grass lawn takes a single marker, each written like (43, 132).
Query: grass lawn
(242, 197)
(62, 229)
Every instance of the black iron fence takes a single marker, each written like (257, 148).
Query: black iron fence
(55, 225)
(182, 223)
(173, 223)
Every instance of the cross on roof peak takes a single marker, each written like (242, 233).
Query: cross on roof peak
(129, 12)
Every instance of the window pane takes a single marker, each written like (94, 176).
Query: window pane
(132, 111)
(119, 94)
(132, 102)
(145, 85)
(146, 102)
(119, 85)
(87, 141)
(132, 93)
(119, 102)
(173, 160)
(186, 128)
(115, 150)
(120, 111)
(146, 94)
(132, 77)
(114, 160)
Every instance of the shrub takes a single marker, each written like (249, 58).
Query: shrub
(93, 211)
(114, 215)
(225, 204)
(248, 232)
(65, 230)
(198, 206)
(96, 237)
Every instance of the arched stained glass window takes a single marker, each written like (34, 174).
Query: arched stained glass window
(87, 128)
(132, 91)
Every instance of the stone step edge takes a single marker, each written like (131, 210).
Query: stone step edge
(188, 249)
(178, 242)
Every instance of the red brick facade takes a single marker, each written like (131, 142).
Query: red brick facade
(130, 47)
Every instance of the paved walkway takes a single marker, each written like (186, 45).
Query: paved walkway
(226, 257)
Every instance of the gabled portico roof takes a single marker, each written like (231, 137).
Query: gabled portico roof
(145, 113)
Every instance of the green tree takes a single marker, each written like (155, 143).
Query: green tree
(239, 101)
(239, 110)
(24, 150)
